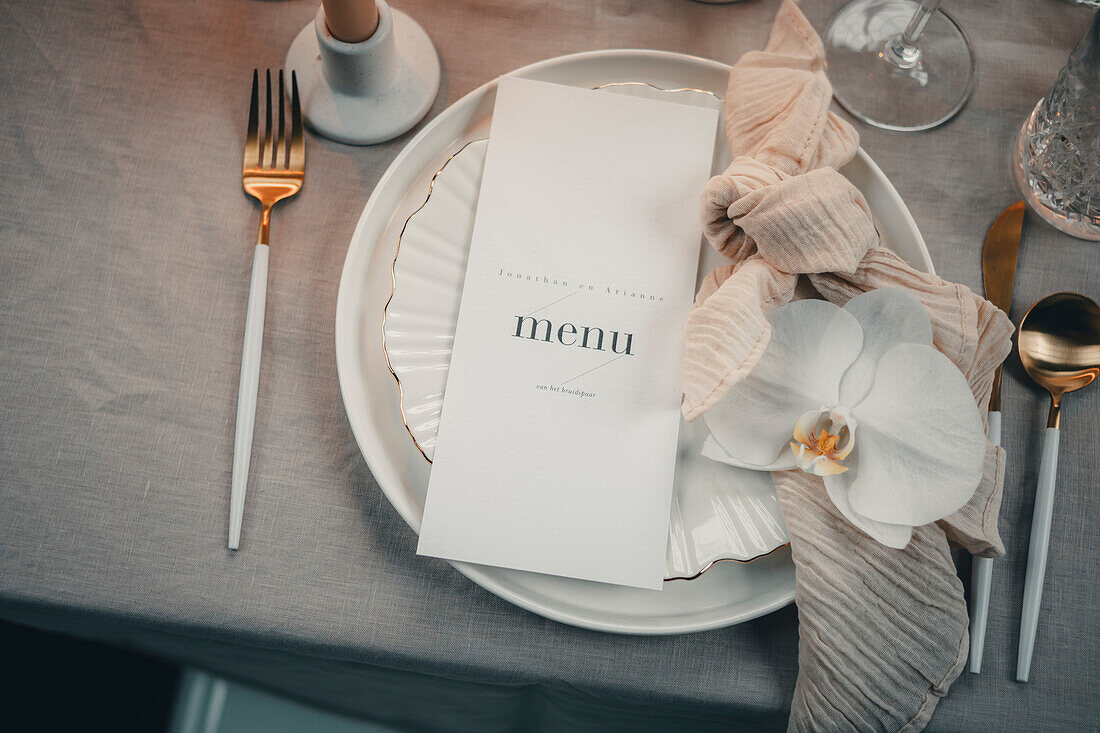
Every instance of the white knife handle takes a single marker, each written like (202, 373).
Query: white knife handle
(1037, 552)
(994, 428)
(246, 392)
(981, 579)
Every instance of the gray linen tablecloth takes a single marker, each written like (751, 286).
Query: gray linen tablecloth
(125, 248)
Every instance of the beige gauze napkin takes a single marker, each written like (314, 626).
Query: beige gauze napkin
(883, 632)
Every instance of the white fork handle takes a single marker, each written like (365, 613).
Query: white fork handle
(246, 392)
(1037, 552)
(981, 579)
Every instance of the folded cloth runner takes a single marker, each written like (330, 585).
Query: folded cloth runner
(882, 632)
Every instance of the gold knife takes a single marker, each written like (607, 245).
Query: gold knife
(1002, 245)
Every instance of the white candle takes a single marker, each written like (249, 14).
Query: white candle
(351, 21)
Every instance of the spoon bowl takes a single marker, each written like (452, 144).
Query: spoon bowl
(1059, 344)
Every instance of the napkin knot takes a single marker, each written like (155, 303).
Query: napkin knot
(781, 205)
(782, 196)
(810, 223)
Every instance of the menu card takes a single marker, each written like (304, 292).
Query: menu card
(557, 441)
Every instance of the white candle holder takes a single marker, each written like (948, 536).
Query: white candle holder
(368, 92)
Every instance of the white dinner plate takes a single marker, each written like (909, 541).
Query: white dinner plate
(727, 594)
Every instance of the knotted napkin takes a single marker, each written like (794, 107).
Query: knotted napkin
(882, 632)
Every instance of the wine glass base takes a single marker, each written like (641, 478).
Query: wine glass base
(877, 87)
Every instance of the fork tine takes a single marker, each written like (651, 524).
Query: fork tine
(252, 140)
(297, 161)
(279, 148)
(264, 155)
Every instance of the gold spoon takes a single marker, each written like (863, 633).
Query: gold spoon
(1059, 344)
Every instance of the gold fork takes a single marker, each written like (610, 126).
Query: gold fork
(273, 171)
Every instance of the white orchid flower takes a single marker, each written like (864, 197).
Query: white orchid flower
(860, 396)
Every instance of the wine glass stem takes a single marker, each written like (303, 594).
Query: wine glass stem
(902, 51)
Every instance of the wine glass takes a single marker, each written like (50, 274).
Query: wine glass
(899, 65)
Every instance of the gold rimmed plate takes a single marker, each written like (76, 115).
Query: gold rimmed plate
(727, 593)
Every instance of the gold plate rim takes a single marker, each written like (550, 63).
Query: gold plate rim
(393, 290)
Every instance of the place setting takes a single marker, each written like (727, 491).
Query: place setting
(712, 529)
(646, 343)
(561, 366)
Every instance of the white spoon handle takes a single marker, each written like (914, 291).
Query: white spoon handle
(1037, 552)
(246, 392)
(982, 579)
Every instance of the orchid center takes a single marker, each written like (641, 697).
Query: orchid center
(823, 438)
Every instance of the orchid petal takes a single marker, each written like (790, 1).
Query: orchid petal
(888, 317)
(892, 535)
(813, 343)
(921, 444)
(715, 452)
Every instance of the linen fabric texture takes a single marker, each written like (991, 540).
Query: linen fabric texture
(123, 293)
